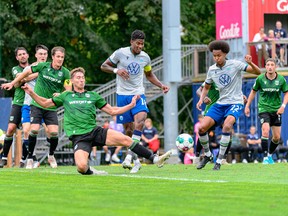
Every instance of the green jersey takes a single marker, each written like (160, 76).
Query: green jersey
(270, 92)
(19, 92)
(49, 81)
(80, 111)
(213, 94)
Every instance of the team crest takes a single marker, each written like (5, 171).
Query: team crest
(133, 68)
(87, 95)
(276, 82)
(224, 79)
(60, 73)
(15, 72)
(11, 118)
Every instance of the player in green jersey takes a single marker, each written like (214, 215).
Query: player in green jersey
(80, 123)
(270, 106)
(52, 78)
(22, 57)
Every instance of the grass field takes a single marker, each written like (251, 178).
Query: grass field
(240, 189)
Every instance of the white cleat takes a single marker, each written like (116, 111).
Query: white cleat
(136, 168)
(36, 164)
(98, 172)
(52, 161)
(163, 158)
(127, 164)
(29, 164)
(108, 156)
(115, 158)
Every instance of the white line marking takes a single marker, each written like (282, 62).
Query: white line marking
(168, 178)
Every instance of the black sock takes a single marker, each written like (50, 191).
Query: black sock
(48, 140)
(228, 149)
(25, 144)
(53, 145)
(264, 144)
(7, 144)
(35, 158)
(141, 151)
(88, 172)
(198, 148)
(32, 143)
(272, 147)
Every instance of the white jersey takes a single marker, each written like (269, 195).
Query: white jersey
(228, 79)
(28, 99)
(135, 65)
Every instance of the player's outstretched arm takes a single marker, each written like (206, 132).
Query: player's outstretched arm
(252, 68)
(119, 110)
(154, 80)
(44, 102)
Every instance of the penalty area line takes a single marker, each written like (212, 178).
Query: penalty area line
(170, 179)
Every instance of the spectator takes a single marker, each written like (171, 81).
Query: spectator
(189, 156)
(280, 33)
(213, 144)
(150, 136)
(261, 48)
(254, 144)
(236, 146)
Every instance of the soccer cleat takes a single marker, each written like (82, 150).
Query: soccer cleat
(3, 163)
(244, 161)
(115, 158)
(268, 160)
(204, 161)
(22, 163)
(217, 166)
(98, 172)
(255, 161)
(52, 161)
(108, 156)
(163, 158)
(127, 164)
(234, 161)
(136, 168)
(29, 164)
(36, 164)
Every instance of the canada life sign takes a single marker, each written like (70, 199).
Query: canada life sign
(228, 19)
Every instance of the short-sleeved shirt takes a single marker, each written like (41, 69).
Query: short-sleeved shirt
(270, 92)
(228, 80)
(213, 94)
(149, 133)
(282, 32)
(49, 81)
(136, 65)
(19, 92)
(80, 110)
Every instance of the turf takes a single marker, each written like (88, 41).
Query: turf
(240, 189)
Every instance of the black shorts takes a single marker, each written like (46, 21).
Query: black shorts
(15, 115)
(272, 118)
(37, 114)
(85, 142)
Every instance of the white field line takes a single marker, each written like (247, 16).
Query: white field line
(133, 176)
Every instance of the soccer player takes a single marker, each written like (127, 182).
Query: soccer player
(227, 75)
(130, 64)
(80, 123)
(270, 106)
(22, 57)
(41, 56)
(52, 78)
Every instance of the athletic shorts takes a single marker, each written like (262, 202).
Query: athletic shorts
(85, 142)
(37, 114)
(26, 114)
(123, 100)
(219, 112)
(15, 115)
(272, 118)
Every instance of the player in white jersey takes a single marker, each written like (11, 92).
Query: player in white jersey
(41, 56)
(130, 64)
(227, 75)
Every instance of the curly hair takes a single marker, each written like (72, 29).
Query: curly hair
(137, 34)
(219, 45)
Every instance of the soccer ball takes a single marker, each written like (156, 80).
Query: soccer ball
(184, 142)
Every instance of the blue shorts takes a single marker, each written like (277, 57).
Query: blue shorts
(123, 100)
(218, 112)
(26, 111)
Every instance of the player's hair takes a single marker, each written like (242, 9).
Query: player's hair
(219, 45)
(78, 69)
(57, 48)
(41, 46)
(137, 34)
(270, 59)
(20, 48)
